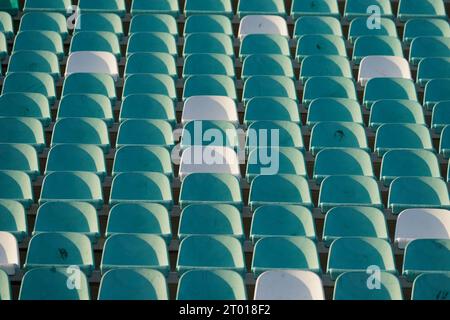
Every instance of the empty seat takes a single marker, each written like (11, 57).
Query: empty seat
(96, 41)
(30, 82)
(328, 87)
(133, 284)
(383, 67)
(153, 23)
(129, 251)
(213, 219)
(5, 288)
(342, 161)
(148, 106)
(444, 145)
(144, 83)
(90, 83)
(210, 253)
(347, 222)
(425, 28)
(313, 66)
(395, 111)
(210, 23)
(151, 187)
(99, 21)
(357, 254)
(432, 68)
(365, 8)
(210, 188)
(376, 46)
(269, 86)
(271, 108)
(76, 217)
(86, 106)
(197, 7)
(45, 21)
(431, 286)
(210, 108)
(274, 134)
(92, 62)
(388, 88)
(427, 47)
(158, 6)
(441, 116)
(22, 130)
(6, 25)
(110, 6)
(201, 42)
(13, 219)
(262, 24)
(39, 40)
(200, 133)
(255, 7)
(16, 185)
(358, 27)
(337, 135)
(334, 109)
(436, 91)
(317, 25)
(10, 6)
(145, 132)
(34, 61)
(149, 62)
(315, 8)
(33, 105)
(211, 285)
(408, 163)
(264, 44)
(20, 157)
(267, 65)
(426, 256)
(417, 192)
(141, 218)
(60, 6)
(209, 85)
(161, 42)
(355, 286)
(320, 44)
(9, 253)
(408, 9)
(52, 284)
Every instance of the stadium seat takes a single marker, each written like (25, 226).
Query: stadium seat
(209, 23)
(262, 24)
(363, 8)
(315, 8)
(395, 111)
(99, 21)
(348, 222)
(34, 61)
(13, 219)
(151, 62)
(319, 65)
(77, 217)
(408, 9)
(358, 27)
(86, 106)
(431, 286)
(90, 83)
(269, 86)
(20, 157)
(155, 42)
(210, 253)
(436, 91)
(258, 7)
(402, 136)
(200, 7)
(63, 249)
(289, 285)
(264, 44)
(441, 116)
(6, 25)
(212, 219)
(30, 82)
(271, 108)
(355, 286)
(432, 68)
(153, 187)
(9, 253)
(337, 135)
(129, 251)
(139, 218)
(199, 133)
(142, 159)
(92, 62)
(211, 285)
(10, 6)
(317, 25)
(208, 63)
(209, 108)
(278, 253)
(376, 46)
(74, 157)
(417, 192)
(38, 40)
(357, 254)
(156, 6)
(5, 288)
(427, 47)
(144, 83)
(274, 134)
(202, 42)
(209, 85)
(32, 105)
(145, 132)
(279, 189)
(16, 185)
(267, 65)
(334, 109)
(106, 6)
(96, 41)
(61, 6)
(43, 21)
(52, 284)
(282, 220)
(425, 28)
(210, 188)
(133, 284)
(388, 88)
(320, 44)
(328, 87)
(342, 161)
(444, 145)
(383, 67)
(426, 256)
(148, 106)
(408, 163)
(72, 186)
(22, 130)
(163, 23)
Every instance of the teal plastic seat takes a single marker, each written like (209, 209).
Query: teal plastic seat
(149, 62)
(357, 254)
(60, 6)
(156, 6)
(282, 220)
(23, 104)
(16, 185)
(145, 132)
(417, 192)
(267, 65)
(209, 85)
(408, 163)
(441, 116)
(62, 249)
(130, 251)
(402, 136)
(89, 105)
(279, 189)
(99, 21)
(271, 109)
(77, 217)
(432, 68)
(5, 287)
(34, 61)
(39, 40)
(258, 7)
(336, 66)
(154, 23)
(22, 130)
(436, 90)
(20, 157)
(208, 23)
(353, 286)
(425, 28)
(427, 47)
(376, 46)
(208, 63)
(210, 253)
(210, 188)
(444, 145)
(345, 222)
(74, 157)
(315, 8)
(139, 218)
(155, 42)
(51, 284)
(96, 41)
(264, 44)
(44, 21)
(107, 6)
(395, 111)
(358, 27)
(208, 43)
(226, 129)
(13, 219)
(337, 135)
(431, 286)
(320, 44)
(133, 284)
(426, 256)
(90, 83)
(328, 87)
(211, 285)
(144, 83)
(342, 161)
(30, 82)
(360, 8)
(408, 9)
(153, 187)
(269, 86)
(388, 88)
(317, 25)
(10, 6)
(334, 109)
(6, 25)
(200, 7)
(211, 219)
(275, 253)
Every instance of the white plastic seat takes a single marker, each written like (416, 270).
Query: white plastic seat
(263, 24)
(92, 62)
(209, 159)
(210, 108)
(289, 285)
(383, 67)
(422, 224)
(9, 253)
